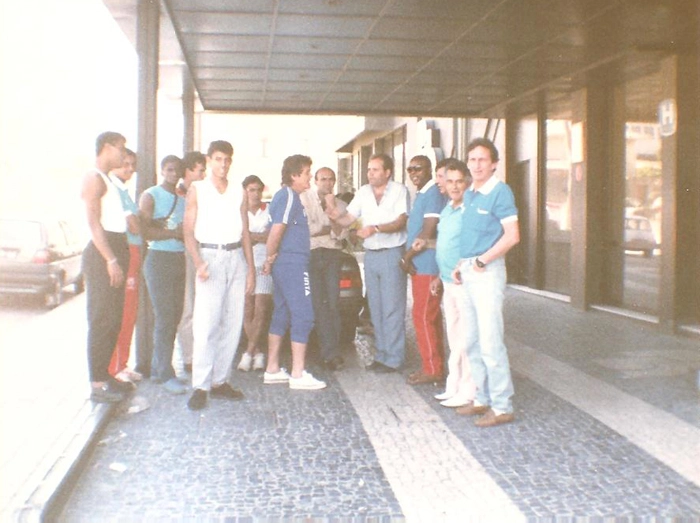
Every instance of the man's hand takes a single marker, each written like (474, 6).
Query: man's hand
(203, 271)
(435, 286)
(116, 275)
(456, 275)
(366, 231)
(419, 244)
(406, 264)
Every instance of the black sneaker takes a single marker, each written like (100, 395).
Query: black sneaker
(227, 391)
(198, 399)
(106, 394)
(122, 386)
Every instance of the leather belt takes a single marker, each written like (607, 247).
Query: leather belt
(221, 246)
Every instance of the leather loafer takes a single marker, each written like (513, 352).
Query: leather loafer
(472, 410)
(491, 419)
(380, 368)
(419, 378)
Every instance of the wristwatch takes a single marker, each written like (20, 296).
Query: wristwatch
(479, 263)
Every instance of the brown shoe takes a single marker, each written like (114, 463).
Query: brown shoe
(490, 419)
(418, 378)
(472, 410)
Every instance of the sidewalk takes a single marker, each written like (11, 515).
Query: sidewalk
(608, 425)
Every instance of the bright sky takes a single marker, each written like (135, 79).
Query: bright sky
(67, 73)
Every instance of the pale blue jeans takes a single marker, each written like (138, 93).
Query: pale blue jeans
(483, 317)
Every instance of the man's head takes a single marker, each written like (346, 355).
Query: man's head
(457, 180)
(171, 169)
(379, 169)
(325, 181)
(482, 160)
(194, 165)
(420, 170)
(110, 148)
(220, 155)
(128, 168)
(296, 172)
(440, 174)
(253, 187)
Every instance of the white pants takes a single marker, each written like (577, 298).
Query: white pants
(459, 378)
(218, 317)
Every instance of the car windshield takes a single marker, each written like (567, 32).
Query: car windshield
(20, 234)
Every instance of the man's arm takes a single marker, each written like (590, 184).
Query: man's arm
(188, 232)
(273, 243)
(398, 224)
(92, 191)
(150, 229)
(428, 232)
(247, 248)
(510, 238)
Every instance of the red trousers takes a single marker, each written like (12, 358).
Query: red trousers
(427, 320)
(120, 356)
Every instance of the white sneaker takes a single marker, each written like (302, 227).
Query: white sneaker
(245, 363)
(259, 361)
(455, 401)
(443, 396)
(306, 382)
(129, 375)
(270, 378)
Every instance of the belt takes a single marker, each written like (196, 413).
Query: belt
(221, 246)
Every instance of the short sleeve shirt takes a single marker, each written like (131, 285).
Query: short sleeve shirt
(448, 240)
(428, 204)
(485, 212)
(393, 204)
(130, 208)
(162, 203)
(286, 208)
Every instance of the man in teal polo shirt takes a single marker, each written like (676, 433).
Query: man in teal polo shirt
(489, 230)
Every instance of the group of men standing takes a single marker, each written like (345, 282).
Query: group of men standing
(303, 248)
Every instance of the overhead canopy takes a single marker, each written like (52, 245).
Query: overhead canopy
(407, 57)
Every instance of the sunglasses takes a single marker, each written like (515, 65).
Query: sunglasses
(414, 168)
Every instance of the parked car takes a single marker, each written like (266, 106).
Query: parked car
(351, 298)
(39, 256)
(639, 235)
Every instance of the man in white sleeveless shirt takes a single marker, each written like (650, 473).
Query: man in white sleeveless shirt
(217, 238)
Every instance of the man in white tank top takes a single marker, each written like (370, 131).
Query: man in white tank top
(217, 238)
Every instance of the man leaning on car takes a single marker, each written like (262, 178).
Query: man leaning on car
(105, 262)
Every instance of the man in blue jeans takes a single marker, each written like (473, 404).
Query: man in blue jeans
(489, 230)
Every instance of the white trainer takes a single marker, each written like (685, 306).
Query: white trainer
(245, 363)
(443, 396)
(306, 382)
(455, 401)
(259, 361)
(270, 378)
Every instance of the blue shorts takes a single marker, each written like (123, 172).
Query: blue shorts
(292, 298)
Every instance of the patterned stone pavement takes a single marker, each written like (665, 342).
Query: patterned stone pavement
(371, 448)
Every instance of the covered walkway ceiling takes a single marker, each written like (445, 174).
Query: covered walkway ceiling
(406, 57)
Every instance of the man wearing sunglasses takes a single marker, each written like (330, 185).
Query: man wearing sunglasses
(419, 263)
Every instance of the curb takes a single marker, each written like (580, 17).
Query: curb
(55, 477)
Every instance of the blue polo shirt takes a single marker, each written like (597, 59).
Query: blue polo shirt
(428, 204)
(129, 207)
(448, 240)
(286, 208)
(485, 212)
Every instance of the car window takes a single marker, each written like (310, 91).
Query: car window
(20, 234)
(56, 236)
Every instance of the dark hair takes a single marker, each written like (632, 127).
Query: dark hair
(424, 159)
(109, 137)
(292, 166)
(251, 180)
(171, 158)
(444, 162)
(484, 142)
(386, 161)
(221, 146)
(129, 152)
(191, 159)
(457, 165)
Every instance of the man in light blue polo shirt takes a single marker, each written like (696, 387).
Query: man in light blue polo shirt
(489, 230)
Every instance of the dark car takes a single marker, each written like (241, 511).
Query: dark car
(351, 298)
(39, 256)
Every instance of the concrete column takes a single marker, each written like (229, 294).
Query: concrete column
(147, 48)
(188, 97)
